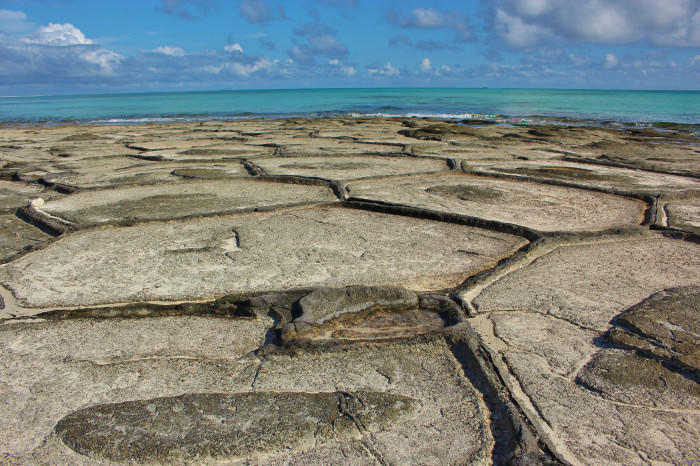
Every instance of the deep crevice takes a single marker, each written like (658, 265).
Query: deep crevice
(515, 441)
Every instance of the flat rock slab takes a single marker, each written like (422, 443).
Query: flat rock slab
(654, 153)
(349, 167)
(537, 206)
(545, 355)
(216, 152)
(590, 283)
(598, 176)
(334, 146)
(120, 171)
(145, 381)
(684, 215)
(15, 194)
(88, 149)
(451, 412)
(253, 252)
(17, 236)
(51, 369)
(177, 200)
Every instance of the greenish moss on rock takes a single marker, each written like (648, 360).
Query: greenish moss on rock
(466, 192)
(568, 174)
(204, 173)
(627, 377)
(658, 360)
(668, 323)
(226, 426)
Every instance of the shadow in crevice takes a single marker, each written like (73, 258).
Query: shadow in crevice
(514, 440)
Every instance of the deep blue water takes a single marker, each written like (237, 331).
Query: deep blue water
(506, 105)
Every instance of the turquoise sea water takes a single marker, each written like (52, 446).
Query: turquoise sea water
(507, 105)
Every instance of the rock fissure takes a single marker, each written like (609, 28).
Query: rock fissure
(475, 287)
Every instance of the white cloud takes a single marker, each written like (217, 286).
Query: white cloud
(169, 50)
(430, 18)
(14, 22)
(58, 34)
(387, 70)
(578, 60)
(611, 61)
(105, 59)
(326, 44)
(662, 22)
(255, 11)
(517, 32)
(9, 15)
(426, 18)
(236, 47)
(320, 41)
(347, 70)
(214, 69)
(245, 70)
(425, 65)
(695, 60)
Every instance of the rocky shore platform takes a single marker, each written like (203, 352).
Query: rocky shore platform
(349, 291)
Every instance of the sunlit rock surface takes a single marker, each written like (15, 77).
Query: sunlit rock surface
(348, 291)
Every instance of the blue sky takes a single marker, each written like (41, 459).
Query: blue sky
(81, 46)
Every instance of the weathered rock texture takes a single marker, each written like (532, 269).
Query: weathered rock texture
(212, 425)
(349, 291)
(200, 258)
(537, 206)
(184, 199)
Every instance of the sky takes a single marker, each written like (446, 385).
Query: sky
(88, 46)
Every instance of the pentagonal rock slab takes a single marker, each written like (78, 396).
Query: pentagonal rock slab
(17, 236)
(543, 354)
(449, 427)
(253, 252)
(176, 200)
(214, 152)
(538, 206)
(120, 171)
(14, 194)
(50, 369)
(349, 167)
(61, 370)
(667, 152)
(599, 176)
(591, 283)
(684, 214)
(334, 146)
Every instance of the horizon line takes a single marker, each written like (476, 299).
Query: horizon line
(343, 88)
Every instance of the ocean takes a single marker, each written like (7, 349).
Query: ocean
(502, 105)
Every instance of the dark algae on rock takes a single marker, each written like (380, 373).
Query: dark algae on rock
(349, 290)
(213, 425)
